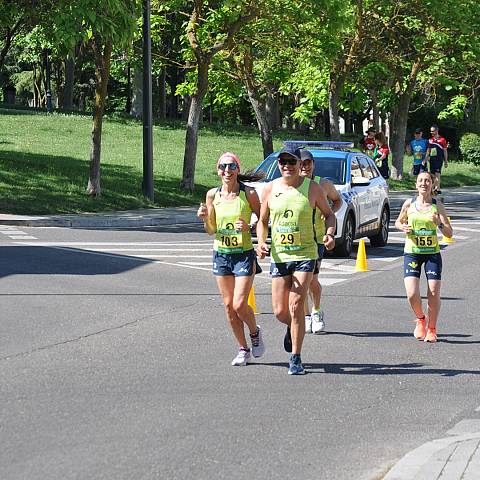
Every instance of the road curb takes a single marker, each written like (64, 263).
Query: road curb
(408, 468)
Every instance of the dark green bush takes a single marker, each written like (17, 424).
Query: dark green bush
(470, 148)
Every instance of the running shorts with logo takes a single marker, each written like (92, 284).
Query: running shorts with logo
(237, 264)
(233, 250)
(412, 265)
(421, 244)
(293, 238)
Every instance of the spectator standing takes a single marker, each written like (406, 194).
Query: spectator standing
(380, 155)
(367, 144)
(438, 156)
(418, 148)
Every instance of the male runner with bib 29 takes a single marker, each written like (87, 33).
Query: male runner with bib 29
(290, 201)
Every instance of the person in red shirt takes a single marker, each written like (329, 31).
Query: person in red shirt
(381, 153)
(438, 156)
(367, 145)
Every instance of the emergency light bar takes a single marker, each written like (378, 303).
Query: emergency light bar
(320, 144)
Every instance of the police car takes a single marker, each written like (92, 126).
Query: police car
(366, 209)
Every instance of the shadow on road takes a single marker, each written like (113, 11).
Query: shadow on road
(26, 260)
(376, 369)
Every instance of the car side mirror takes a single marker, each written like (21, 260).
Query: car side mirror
(360, 181)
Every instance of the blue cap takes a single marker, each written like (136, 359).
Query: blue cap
(290, 150)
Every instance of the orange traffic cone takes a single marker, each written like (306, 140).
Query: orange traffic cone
(251, 300)
(361, 263)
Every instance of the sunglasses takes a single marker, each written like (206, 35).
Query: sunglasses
(231, 166)
(287, 161)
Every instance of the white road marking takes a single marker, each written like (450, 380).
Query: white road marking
(465, 229)
(22, 237)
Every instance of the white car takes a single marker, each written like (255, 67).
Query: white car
(366, 209)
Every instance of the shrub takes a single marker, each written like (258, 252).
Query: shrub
(470, 148)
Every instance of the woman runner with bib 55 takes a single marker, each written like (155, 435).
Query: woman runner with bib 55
(226, 215)
(419, 219)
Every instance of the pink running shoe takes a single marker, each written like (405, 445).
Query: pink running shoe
(420, 330)
(431, 335)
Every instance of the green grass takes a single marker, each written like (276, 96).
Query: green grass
(44, 163)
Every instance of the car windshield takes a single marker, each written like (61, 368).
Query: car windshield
(330, 167)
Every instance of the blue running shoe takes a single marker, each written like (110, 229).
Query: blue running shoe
(295, 366)
(287, 341)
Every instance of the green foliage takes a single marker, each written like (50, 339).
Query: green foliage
(470, 148)
(455, 109)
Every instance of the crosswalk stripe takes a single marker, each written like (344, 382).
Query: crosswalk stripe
(465, 229)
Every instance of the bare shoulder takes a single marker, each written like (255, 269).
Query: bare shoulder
(211, 193)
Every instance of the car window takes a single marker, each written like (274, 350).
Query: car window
(355, 170)
(331, 168)
(373, 168)
(366, 167)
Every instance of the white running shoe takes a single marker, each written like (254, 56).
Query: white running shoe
(308, 324)
(242, 358)
(258, 346)
(318, 322)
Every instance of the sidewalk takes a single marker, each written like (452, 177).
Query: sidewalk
(454, 457)
(181, 215)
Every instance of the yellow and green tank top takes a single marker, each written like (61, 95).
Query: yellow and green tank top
(292, 224)
(423, 237)
(227, 212)
(319, 221)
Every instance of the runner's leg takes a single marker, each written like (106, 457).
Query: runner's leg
(296, 298)
(240, 302)
(280, 292)
(316, 291)
(412, 287)
(226, 285)
(433, 296)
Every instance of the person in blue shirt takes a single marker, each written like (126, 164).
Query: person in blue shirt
(418, 148)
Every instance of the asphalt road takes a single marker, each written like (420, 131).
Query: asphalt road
(115, 362)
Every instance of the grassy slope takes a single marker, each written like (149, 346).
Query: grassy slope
(44, 163)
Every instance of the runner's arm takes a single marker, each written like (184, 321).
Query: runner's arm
(444, 222)
(262, 225)
(332, 194)
(206, 212)
(321, 203)
(401, 223)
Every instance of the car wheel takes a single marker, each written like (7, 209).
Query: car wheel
(381, 238)
(345, 245)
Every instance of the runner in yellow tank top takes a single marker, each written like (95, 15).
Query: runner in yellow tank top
(315, 319)
(290, 201)
(419, 219)
(227, 215)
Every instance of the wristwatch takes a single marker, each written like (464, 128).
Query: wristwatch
(440, 226)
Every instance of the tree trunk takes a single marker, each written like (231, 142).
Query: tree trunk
(334, 89)
(162, 101)
(260, 109)
(398, 127)
(69, 83)
(375, 112)
(193, 125)
(272, 109)
(128, 103)
(398, 132)
(102, 72)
